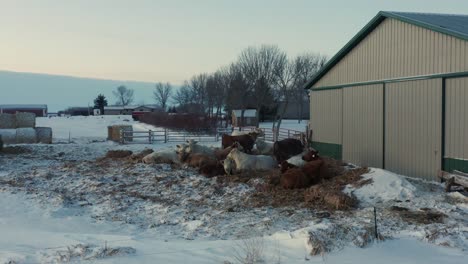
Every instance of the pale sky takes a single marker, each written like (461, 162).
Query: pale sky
(152, 40)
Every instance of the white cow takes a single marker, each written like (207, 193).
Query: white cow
(193, 147)
(297, 160)
(263, 147)
(246, 162)
(162, 156)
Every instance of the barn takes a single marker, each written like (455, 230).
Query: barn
(39, 109)
(396, 95)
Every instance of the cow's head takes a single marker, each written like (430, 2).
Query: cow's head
(229, 166)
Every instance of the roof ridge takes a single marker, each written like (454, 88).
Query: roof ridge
(425, 13)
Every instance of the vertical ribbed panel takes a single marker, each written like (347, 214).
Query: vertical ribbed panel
(397, 49)
(363, 125)
(456, 122)
(326, 115)
(413, 128)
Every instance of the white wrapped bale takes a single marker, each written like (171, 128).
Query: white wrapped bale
(7, 121)
(25, 119)
(44, 135)
(26, 135)
(8, 136)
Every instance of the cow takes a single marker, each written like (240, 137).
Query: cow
(286, 148)
(246, 141)
(193, 147)
(311, 155)
(229, 166)
(246, 162)
(263, 147)
(162, 156)
(196, 160)
(212, 169)
(313, 170)
(284, 166)
(221, 154)
(295, 178)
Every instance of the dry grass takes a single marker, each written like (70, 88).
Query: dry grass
(249, 251)
(424, 216)
(118, 154)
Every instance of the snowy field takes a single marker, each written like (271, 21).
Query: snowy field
(64, 203)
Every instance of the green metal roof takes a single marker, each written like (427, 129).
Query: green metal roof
(453, 25)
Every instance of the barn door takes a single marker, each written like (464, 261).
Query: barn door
(413, 127)
(363, 125)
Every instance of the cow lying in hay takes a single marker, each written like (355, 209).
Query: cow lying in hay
(237, 161)
(246, 141)
(162, 156)
(263, 147)
(311, 173)
(193, 147)
(221, 154)
(286, 148)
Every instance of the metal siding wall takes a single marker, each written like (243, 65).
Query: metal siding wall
(456, 122)
(413, 128)
(363, 125)
(326, 112)
(398, 49)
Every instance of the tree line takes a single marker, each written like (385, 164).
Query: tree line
(262, 77)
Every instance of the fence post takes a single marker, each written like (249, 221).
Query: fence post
(122, 139)
(165, 135)
(288, 133)
(150, 136)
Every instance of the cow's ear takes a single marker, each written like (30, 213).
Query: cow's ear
(178, 146)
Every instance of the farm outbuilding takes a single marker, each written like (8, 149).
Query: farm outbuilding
(40, 110)
(396, 96)
(250, 118)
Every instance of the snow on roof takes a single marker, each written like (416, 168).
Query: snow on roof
(247, 113)
(23, 106)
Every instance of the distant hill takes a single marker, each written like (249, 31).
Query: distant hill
(60, 92)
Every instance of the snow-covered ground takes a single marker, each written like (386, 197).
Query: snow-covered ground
(62, 203)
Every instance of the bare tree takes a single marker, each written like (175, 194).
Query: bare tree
(183, 96)
(124, 95)
(162, 93)
(237, 93)
(306, 66)
(258, 66)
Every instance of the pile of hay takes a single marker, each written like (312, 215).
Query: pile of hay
(113, 132)
(25, 120)
(7, 121)
(424, 216)
(44, 135)
(118, 154)
(26, 135)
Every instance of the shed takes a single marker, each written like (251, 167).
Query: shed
(394, 96)
(39, 109)
(250, 118)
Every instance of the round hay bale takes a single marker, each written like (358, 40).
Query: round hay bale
(8, 136)
(44, 135)
(25, 120)
(26, 135)
(7, 121)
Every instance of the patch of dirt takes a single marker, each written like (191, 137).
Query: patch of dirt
(423, 216)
